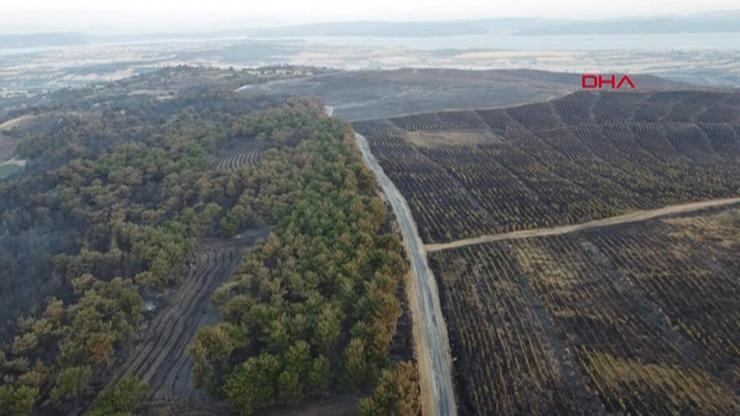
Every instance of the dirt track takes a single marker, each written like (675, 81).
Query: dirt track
(160, 357)
(565, 229)
(429, 328)
(15, 122)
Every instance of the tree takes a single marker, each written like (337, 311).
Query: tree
(122, 399)
(396, 393)
(277, 337)
(71, 384)
(298, 358)
(328, 328)
(17, 401)
(319, 376)
(25, 343)
(253, 384)
(54, 311)
(356, 369)
(290, 388)
(100, 347)
(211, 350)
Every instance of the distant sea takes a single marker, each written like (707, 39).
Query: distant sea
(20, 51)
(641, 42)
(538, 42)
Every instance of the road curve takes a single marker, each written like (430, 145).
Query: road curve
(565, 229)
(430, 331)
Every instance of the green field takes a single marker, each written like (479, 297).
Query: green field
(7, 169)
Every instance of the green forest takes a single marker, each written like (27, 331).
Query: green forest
(315, 306)
(119, 195)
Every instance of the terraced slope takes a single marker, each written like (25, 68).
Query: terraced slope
(563, 292)
(579, 158)
(234, 161)
(238, 152)
(630, 319)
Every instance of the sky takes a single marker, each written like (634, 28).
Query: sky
(114, 16)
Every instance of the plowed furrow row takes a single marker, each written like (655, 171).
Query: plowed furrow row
(162, 327)
(236, 161)
(170, 372)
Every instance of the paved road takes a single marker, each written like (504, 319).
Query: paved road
(430, 331)
(565, 229)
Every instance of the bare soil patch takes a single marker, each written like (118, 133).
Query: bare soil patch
(454, 138)
(15, 122)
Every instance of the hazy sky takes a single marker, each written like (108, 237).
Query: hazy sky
(163, 15)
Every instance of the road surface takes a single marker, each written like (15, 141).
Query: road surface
(430, 331)
(565, 229)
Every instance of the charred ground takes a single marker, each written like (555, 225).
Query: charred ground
(632, 318)
(573, 159)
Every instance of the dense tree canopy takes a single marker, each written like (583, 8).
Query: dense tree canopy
(123, 192)
(314, 308)
(124, 201)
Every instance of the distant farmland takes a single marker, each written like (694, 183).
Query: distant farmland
(632, 318)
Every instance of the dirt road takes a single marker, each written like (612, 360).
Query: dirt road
(565, 229)
(430, 331)
(15, 122)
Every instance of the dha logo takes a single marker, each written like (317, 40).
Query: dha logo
(592, 81)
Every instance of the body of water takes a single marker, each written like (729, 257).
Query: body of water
(687, 41)
(562, 42)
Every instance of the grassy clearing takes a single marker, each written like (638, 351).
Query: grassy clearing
(7, 169)
(459, 138)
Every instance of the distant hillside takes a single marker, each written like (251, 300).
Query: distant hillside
(715, 22)
(362, 95)
(377, 29)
